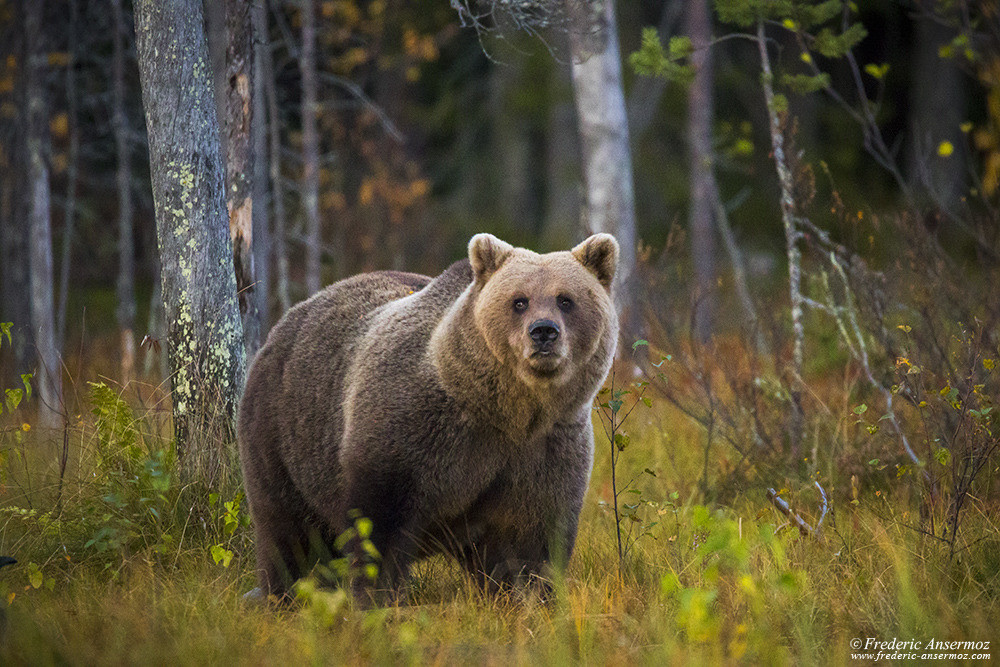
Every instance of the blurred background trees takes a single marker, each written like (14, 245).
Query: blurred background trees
(387, 132)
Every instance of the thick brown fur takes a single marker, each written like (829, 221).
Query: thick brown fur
(432, 408)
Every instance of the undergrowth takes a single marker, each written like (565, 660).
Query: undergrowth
(119, 561)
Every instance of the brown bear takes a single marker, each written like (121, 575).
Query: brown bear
(454, 413)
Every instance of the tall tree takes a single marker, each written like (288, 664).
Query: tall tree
(702, 187)
(15, 303)
(310, 145)
(72, 169)
(204, 335)
(48, 376)
(240, 161)
(603, 125)
(258, 131)
(125, 287)
(266, 61)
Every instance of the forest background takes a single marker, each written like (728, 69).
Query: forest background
(811, 311)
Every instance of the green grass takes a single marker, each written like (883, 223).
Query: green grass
(706, 585)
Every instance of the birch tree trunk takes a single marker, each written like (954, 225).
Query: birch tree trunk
(204, 335)
(702, 187)
(310, 146)
(603, 125)
(48, 374)
(239, 163)
(792, 237)
(125, 287)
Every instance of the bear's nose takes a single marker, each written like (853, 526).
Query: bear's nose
(543, 331)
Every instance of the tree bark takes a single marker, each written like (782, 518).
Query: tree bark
(72, 171)
(239, 163)
(603, 125)
(274, 165)
(792, 237)
(125, 287)
(702, 186)
(48, 375)
(204, 335)
(261, 218)
(15, 302)
(310, 146)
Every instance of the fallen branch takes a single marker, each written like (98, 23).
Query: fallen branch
(803, 526)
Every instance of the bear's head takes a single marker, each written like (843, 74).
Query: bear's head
(549, 318)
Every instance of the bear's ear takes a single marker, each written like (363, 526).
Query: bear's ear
(487, 254)
(599, 254)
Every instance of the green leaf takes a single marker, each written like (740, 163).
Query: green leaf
(638, 343)
(34, 575)
(364, 526)
(5, 331)
(652, 60)
(621, 441)
(26, 380)
(878, 72)
(221, 555)
(14, 397)
(647, 401)
(861, 409)
(836, 46)
(615, 405)
(943, 455)
(804, 84)
(779, 104)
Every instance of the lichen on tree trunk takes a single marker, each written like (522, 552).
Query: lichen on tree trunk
(204, 334)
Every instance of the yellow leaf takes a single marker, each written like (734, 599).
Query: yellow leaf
(59, 125)
(805, 57)
(419, 187)
(26, 427)
(989, 364)
(945, 148)
(366, 193)
(965, 127)
(789, 24)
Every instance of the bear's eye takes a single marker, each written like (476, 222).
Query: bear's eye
(520, 305)
(565, 303)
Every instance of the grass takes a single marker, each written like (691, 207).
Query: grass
(122, 571)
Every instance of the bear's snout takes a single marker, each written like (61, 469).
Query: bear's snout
(544, 334)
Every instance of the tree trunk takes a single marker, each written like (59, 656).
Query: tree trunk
(239, 163)
(274, 164)
(310, 146)
(204, 336)
(702, 186)
(792, 237)
(261, 221)
(15, 302)
(72, 171)
(48, 375)
(607, 159)
(125, 288)
(937, 108)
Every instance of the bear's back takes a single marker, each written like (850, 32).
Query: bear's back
(303, 363)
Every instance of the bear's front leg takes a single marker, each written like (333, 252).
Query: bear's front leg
(383, 502)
